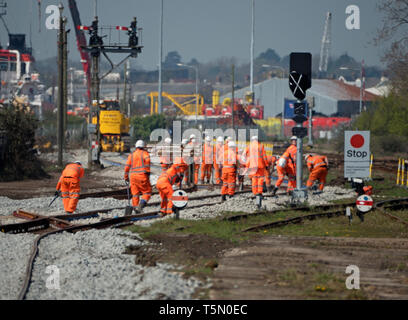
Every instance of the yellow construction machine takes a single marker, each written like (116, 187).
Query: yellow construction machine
(114, 127)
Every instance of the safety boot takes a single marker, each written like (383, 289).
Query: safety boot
(142, 204)
(223, 197)
(259, 201)
(230, 196)
(274, 191)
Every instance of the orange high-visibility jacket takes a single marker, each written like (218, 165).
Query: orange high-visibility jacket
(231, 160)
(171, 174)
(316, 162)
(72, 170)
(255, 156)
(137, 163)
(208, 153)
(290, 156)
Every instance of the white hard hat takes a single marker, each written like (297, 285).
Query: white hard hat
(307, 155)
(228, 139)
(192, 136)
(184, 142)
(231, 144)
(254, 138)
(220, 139)
(139, 144)
(167, 140)
(207, 138)
(78, 162)
(293, 138)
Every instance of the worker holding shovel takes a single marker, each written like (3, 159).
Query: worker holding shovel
(138, 165)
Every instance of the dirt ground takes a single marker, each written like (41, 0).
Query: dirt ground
(46, 187)
(277, 267)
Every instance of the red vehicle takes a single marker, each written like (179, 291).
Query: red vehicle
(321, 126)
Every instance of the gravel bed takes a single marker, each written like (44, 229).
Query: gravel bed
(92, 265)
(14, 252)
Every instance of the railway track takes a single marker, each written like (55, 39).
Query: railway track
(336, 210)
(63, 224)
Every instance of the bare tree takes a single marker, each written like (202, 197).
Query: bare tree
(394, 30)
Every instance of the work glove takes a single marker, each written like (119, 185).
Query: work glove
(57, 193)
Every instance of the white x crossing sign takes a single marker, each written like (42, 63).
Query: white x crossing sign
(298, 85)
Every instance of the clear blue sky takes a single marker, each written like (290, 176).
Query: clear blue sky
(209, 29)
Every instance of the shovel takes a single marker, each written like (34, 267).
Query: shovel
(129, 208)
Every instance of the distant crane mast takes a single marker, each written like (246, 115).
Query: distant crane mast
(326, 45)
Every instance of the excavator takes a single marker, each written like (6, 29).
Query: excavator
(113, 124)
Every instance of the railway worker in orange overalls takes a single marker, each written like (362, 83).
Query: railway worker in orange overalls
(69, 186)
(256, 163)
(286, 165)
(138, 165)
(271, 161)
(229, 171)
(191, 147)
(165, 184)
(318, 167)
(165, 155)
(208, 159)
(218, 159)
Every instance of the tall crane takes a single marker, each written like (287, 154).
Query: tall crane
(326, 45)
(81, 42)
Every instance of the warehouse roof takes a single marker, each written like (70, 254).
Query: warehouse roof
(338, 90)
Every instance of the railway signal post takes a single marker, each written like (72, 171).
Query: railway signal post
(97, 47)
(300, 80)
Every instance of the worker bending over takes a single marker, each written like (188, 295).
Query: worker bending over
(165, 183)
(69, 186)
(318, 167)
(256, 164)
(208, 159)
(229, 171)
(286, 165)
(138, 165)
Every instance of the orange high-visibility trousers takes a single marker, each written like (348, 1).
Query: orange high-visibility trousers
(217, 173)
(196, 170)
(291, 173)
(70, 190)
(257, 181)
(166, 192)
(206, 171)
(268, 179)
(257, 184)
(140, 185)
(288, 171)
(228, 183)
(318, 174)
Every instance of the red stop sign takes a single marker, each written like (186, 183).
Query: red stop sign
(357, 141)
